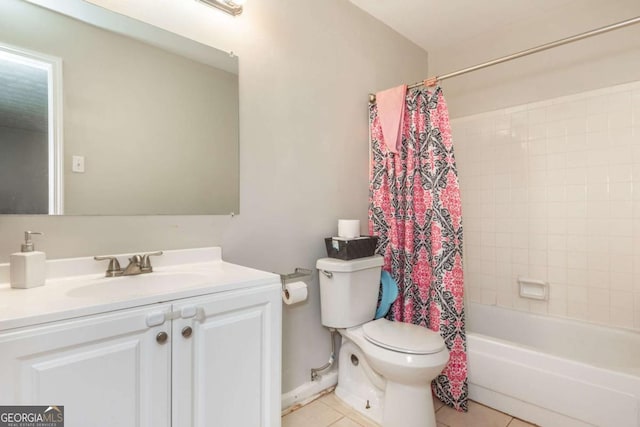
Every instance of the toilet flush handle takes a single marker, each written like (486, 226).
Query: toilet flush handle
(327, 273)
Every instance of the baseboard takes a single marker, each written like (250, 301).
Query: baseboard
(308, 391)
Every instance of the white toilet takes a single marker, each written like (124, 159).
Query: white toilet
(385, 368)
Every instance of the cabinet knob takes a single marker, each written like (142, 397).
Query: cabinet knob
(162, 337)
(187, 331)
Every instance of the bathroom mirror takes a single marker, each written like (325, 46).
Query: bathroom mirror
(147, 120)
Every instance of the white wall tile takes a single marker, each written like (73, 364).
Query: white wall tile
(557, 145)
(621, 173)
(598, 260)
(504, 299)
(597, 122)
(556, 176)
(598, 313)
(556, 160)
(537, 257)
(488, 297)
(521, 303)
(622, 300)
(520, 256)
(557, 258)
(621, 281)
(557, 307)
(597, 191)
(598, 207)
(558, 193)
(538, 272)
(619, 101)
(621, 317)
(597, 174)
(538, 225)
(576, 126)
(599, 279)
(577, 310)
(558, 226)
(620, 119)
(577, 294)
(557, 242)
(576, 226)
(620, 136)
(556, 129)
(622, 245)
(578, 158)
(474, 294)
(597, 157)
(537, 132)
(551, 190)
(576, 143)
(558, 276)
(537, 116)
(620, 226)
(621, 207)
(576, 210)
(577, 260)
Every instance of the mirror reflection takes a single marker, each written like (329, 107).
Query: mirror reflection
(141, 128)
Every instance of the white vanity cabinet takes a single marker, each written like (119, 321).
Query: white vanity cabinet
(107, 370)
(217, 365)
(226, 360)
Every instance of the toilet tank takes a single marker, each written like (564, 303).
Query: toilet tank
(349, 290)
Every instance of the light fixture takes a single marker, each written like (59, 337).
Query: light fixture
(232, 7)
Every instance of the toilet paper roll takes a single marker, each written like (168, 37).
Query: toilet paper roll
(348, 228)
(294, 292)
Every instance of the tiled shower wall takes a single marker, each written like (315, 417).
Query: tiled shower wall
(551, 191)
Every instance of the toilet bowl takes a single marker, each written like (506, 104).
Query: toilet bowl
(385, 368)
(405, 373)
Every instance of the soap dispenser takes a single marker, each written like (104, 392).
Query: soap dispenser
(27, 267)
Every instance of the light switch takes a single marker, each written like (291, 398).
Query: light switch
(77, 164)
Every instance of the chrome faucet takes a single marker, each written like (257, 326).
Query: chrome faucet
(138, 264)
(134, 266)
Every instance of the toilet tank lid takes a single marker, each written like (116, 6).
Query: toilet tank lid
(403, 337)
(342, 266)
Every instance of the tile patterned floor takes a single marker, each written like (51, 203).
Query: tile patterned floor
(331, 411)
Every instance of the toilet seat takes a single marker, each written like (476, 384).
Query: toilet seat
(402, 337)
(395, 365)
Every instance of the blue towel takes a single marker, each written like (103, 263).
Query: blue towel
(389, 294)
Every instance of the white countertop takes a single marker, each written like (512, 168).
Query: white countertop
(77, 287)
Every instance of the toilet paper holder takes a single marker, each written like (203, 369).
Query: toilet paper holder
(297, 274)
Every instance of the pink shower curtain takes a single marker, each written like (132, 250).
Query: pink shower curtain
(415, 209)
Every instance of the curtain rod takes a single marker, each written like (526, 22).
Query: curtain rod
(431, 81)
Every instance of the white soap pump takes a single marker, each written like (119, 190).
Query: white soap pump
(27, 267)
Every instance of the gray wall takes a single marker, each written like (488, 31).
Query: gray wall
(158, 131)
(306, 68)
(602, 61)
(24, 184)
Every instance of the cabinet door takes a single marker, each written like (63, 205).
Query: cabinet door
(107, 370)
(226, 372)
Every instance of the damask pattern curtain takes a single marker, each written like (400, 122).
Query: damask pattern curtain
(415, 209)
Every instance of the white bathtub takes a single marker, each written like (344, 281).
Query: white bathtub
(553, 372)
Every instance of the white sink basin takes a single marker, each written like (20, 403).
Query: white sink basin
(138, 285)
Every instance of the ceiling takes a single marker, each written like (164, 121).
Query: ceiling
(438, 24)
